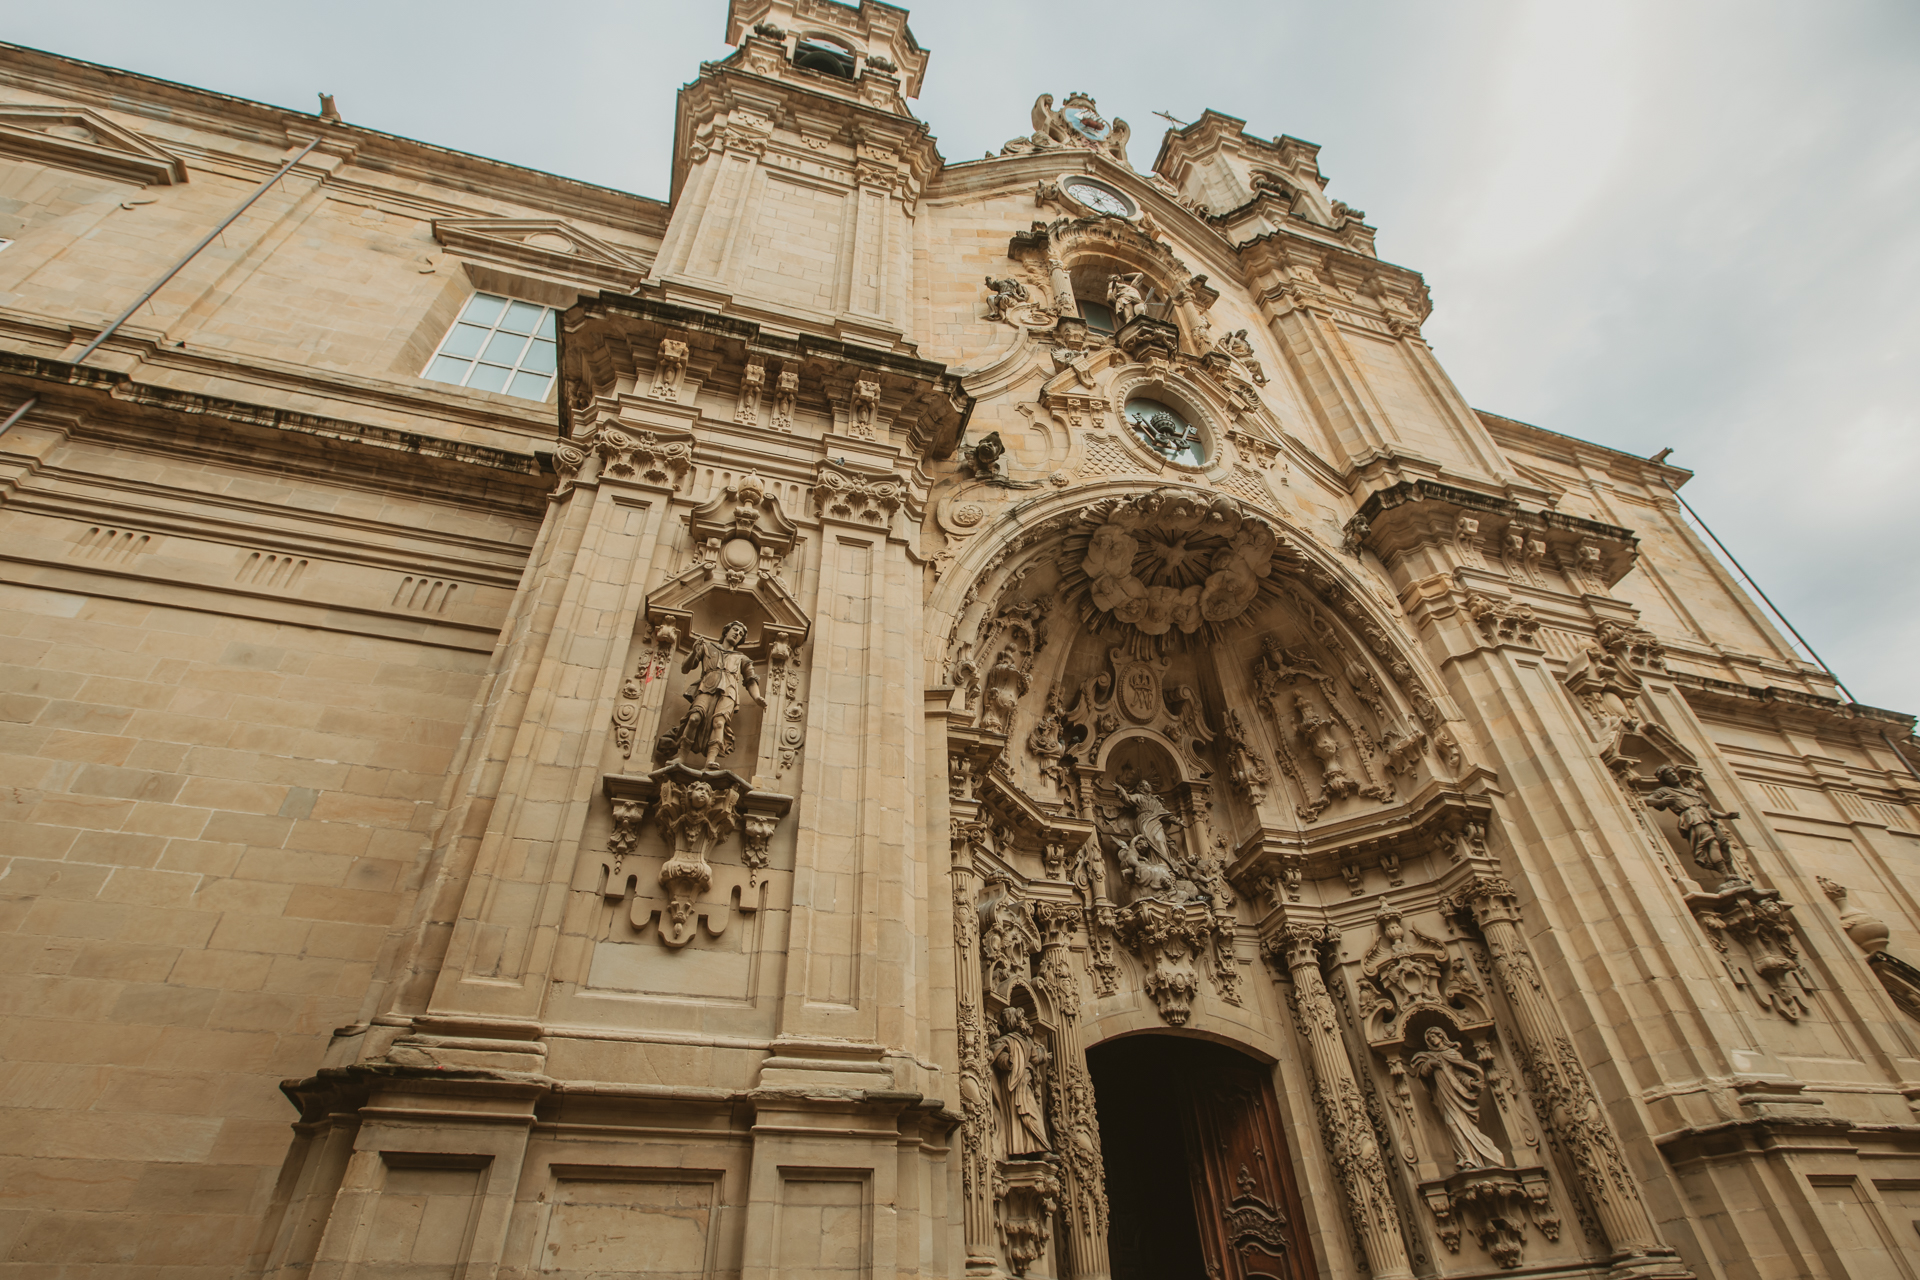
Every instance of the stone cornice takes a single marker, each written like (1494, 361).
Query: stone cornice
(1410, 512)
(613, 336)
(260, 124)
(1656, 475)
(71, 388)
(841, 125)
(1793, 706)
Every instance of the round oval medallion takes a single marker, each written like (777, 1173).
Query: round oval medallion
(739, 553)
(968, 514)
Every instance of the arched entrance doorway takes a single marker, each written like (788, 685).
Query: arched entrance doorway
(1199, 1181)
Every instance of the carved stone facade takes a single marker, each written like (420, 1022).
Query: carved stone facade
(726, 814)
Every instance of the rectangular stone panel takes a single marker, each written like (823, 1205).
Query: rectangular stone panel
(610, 1224)
(824, 1229)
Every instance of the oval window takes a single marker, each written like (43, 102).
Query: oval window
(1166, 431)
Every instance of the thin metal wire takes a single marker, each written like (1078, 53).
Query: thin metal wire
(161, 283)
(1733, 560)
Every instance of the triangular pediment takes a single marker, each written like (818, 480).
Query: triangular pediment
(546, 245)
(84, 140)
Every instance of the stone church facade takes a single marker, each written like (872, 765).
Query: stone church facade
(881, 716)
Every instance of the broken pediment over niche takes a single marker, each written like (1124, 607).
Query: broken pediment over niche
(547, 246)
(741, 541)
(84, 140)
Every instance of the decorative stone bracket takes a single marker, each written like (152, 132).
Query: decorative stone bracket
(1027, 1193)
(695, 811)
(1495, 1205)
(1168, 939)
(1743, 919)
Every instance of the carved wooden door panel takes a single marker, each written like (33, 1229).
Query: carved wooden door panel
(1248, 1210)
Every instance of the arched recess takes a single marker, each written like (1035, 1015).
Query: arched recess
(1078, 256)
(1176, 593)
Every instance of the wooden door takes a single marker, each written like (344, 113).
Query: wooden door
(1244, 1199)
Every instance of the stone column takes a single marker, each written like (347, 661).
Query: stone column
(1076, 1125)
(1344, 1124)
(976, 1081)
(1561, 1091)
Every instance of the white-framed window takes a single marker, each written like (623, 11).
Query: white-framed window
(498, 344)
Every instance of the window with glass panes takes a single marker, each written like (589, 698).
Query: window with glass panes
(498, 344)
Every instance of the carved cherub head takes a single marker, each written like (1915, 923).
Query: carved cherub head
(699, 795)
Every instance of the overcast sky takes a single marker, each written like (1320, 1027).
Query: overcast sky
(1647, 224)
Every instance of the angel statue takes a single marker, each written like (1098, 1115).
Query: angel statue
(696, 817)
(1457, 1085)
(1700, 822)
(1142, 843)
(726, 674)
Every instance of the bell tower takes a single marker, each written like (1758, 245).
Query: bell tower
(797, 169)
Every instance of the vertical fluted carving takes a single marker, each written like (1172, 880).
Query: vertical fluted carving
(1344, 1123)
(976, 1087)
(1076, 1126)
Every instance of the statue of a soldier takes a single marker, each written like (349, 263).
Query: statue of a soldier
(726, 675)
(1700, 822)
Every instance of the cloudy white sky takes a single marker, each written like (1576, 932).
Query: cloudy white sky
(1645, 223)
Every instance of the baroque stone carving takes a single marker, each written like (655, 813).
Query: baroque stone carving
(1456, 1085)
(860, 498)
(866, 403)
(1171, 560)
(669, 369)
(1562, 1095)
(695, 816)
(705, 733)
(1502, 621)
(1869, 933)
(1020, 1062)
(642, 456)
(1077, 122)
(753, 381)
(785, 389)
(1709, 839)
(1027, 1195)
(1246, 767)
(1353, 1148)
(1762, 927)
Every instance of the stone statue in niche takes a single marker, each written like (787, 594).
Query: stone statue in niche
(1457, 1085)
(1149, 849)
(705, 733)
(1702, 824)
(1124, 296)
(1019, 1061)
